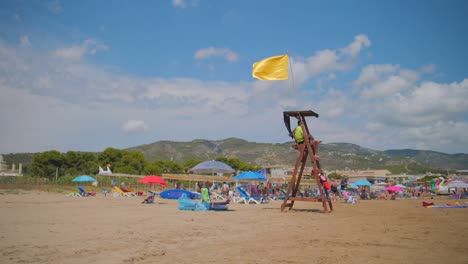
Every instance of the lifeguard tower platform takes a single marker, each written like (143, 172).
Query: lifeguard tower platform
(308, 149)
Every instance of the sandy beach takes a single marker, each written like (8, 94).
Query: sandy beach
(41, 227)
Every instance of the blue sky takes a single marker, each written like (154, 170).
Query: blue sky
(86, 75)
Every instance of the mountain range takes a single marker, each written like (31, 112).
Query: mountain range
(332, 155)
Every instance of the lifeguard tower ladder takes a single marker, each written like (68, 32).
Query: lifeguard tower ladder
(308, 148)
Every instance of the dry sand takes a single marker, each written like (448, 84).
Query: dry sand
(39, 227)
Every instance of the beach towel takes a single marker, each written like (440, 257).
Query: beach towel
(432, 205)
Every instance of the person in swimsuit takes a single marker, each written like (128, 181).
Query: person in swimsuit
(334, 189)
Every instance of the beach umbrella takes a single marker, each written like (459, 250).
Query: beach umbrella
(351, 186)
(363, 183)
(401, 186)
(250, 175)
(457, 184)
(152, 179)
(84, 178)
(212, 166)
(394, 188)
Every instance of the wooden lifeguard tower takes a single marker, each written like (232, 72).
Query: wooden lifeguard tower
(308, 149)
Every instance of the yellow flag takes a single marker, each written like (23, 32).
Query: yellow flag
(272, 68)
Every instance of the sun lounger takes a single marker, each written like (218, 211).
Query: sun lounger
(217, 196)
(117, 192)
(84, 193)
(247, 199)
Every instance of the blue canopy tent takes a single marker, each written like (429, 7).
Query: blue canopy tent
(363, 183)
(250, 175)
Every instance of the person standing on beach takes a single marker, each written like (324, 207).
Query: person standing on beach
(334, 189)
(225, 189)
(344, 183)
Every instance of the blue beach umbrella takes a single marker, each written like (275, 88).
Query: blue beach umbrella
(250, 175)
(363, 183)
(352, 186)
(84, 178)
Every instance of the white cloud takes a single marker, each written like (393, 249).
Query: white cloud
(184, 3)
(426, 103)
(89, 46)
(392, 85)
(407, 112)
(428, 69)
(355, 48)
(25, 43)
(83, 105)
(328, 61)
(209, 52)
(374, 73)
(333, 104)
(134, 126)
(179, 3)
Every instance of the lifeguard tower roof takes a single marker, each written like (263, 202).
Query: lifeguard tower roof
(300, 113)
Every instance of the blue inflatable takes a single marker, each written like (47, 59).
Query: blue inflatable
(186, 204)
(177, 193)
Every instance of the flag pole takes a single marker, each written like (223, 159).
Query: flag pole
(290, 67)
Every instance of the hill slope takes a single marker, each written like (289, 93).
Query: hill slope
(333, 155)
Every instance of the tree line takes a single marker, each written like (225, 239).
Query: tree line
(48, 164)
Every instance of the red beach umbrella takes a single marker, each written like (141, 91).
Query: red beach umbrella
(152, 179)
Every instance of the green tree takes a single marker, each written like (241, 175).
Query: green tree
(168, 166)
(334, 175)
(152, 169)
(79, 163)
(46, 164)
(238, 164)
(188, 164)
(111, 156)
(126, 169)
(133, 159)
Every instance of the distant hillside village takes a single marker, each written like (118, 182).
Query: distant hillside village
(11, 170)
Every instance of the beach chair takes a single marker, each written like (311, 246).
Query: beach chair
(246, 198)
(84, 193)
(73, 194)
(217, 196)
(253, 191)
(117, 192)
